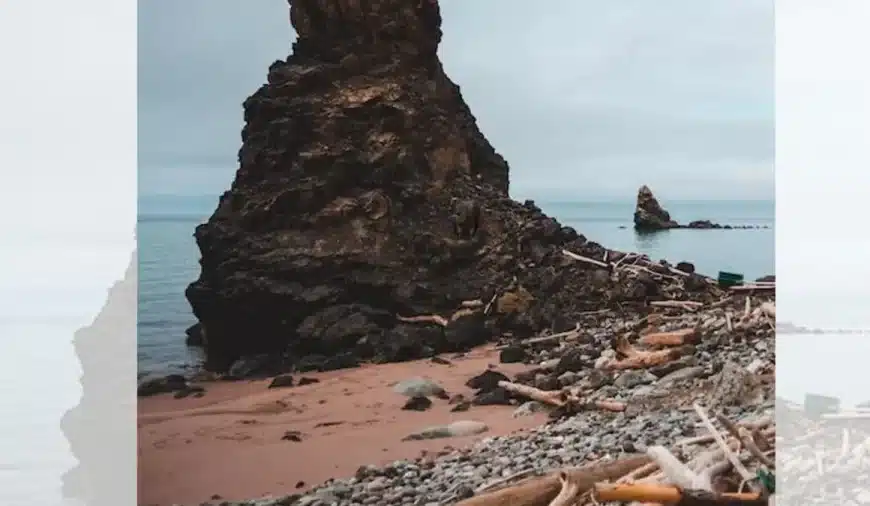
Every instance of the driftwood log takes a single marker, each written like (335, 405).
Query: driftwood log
(559, 398)
(673, 338)
(542, 490)
(641, 359)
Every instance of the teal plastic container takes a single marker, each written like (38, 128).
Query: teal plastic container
(728, 279)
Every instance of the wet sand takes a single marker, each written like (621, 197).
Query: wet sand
(229, 442)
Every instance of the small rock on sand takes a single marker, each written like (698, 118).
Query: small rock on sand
(420, 387)
(282, 381)
(459, 428)
(190, 390)
(512, 355)
(486, 381)
(495, 397)
(417, 403)
(153, 386)
(461, 406)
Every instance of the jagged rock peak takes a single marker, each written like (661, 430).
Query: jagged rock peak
(329, 29)
(649, 215)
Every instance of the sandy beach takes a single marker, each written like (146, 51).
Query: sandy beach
(229, 443)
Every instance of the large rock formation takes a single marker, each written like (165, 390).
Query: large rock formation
(649, 215)
(366, 193)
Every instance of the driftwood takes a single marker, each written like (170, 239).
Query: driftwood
(673, 338)
(747, 438)
(571, 490)
(666, 494)
(753, 287)
(558, 398)
(581, 258)
(552, 398)
(723, 445)
(542, 490)
(431, 318)
(680, 304)
(641, 359)
(472, 304)
(568, 335)
(467, 308)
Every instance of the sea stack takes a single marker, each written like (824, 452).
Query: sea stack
(346, 235)
(649, 215)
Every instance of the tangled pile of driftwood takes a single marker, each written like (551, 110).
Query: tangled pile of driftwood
(733, 463)
(662, 342)
(735, 469)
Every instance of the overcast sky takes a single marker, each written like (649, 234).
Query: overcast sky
(584, 98)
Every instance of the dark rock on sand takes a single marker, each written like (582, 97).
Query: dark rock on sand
(461, 407)
(456, 399)
(512, 355)
(441, 361)
(495, 397)
(649, 215)
(292, 435)
(256, 366)
(417, 403)
(307, 380)
(161, 385)
(282, 381)
(366, 192)
(486, 381)
(190, 390)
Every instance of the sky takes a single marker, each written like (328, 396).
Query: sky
(584, 99)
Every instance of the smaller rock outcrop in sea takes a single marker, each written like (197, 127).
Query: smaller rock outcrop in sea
(649, 215)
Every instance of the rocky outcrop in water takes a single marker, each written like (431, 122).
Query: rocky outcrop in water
(649, 215)
(367, 196)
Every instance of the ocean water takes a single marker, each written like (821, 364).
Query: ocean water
(168, 257)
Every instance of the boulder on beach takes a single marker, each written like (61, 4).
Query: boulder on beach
(370, 217)
(419, 387)
(459, 428)
(649, 215)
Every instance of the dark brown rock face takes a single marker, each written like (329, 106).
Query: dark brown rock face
(649, 215)
(366, 192)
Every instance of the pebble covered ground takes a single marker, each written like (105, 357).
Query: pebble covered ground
(721, 371)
